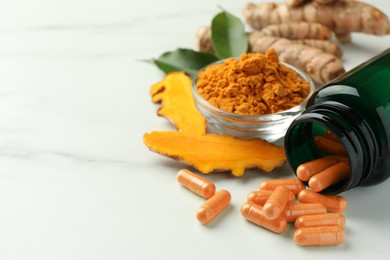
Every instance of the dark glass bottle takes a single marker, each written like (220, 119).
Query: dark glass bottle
(356, 108)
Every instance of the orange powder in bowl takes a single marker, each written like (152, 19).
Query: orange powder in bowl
(254, 84)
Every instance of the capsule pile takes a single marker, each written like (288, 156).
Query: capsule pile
(318, 219)
(328, 170)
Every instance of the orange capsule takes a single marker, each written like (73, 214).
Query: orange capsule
(329, 134)
(254, 213)
(213, 206)
(329, 176)
(293, 212)
(261, 196)
(328, 146)
(334, 203)
(196, 183)
(327, 219)
(277, 202)
(319, 236)
(294, 184)
(308, 169)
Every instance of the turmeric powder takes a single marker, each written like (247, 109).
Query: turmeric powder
(320, 59)
(255, 84)
(320, 66)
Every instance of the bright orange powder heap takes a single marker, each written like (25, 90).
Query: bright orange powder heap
(255, 84)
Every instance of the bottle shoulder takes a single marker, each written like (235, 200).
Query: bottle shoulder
(335, 92)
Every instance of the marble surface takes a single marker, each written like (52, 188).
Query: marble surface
(77, 182)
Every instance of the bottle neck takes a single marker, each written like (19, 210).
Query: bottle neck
(353, 132)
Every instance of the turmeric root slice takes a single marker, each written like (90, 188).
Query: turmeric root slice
(213, 152)
(177, 104)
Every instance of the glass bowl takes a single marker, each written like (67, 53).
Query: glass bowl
(270, 127)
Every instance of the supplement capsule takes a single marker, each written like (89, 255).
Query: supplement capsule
(334, 203)
(329, 176)
(328, 146)
(328, 219)
(307, 170)
(294, 184)
(293, 212)
(261, 196)
(319, 236)
(277, 202)
(213, 206)
(254, 213)
(196, 183)
(328, 134)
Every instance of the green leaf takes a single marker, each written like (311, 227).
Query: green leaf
(228, 35)
(185, 60)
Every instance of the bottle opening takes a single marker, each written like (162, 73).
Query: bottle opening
(318, 144)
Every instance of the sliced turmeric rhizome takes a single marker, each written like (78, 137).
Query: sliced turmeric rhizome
(213, 152)
(177, 103)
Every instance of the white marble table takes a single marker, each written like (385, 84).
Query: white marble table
(77, 182)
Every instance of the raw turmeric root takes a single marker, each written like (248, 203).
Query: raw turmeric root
(308, 38)
(325, 46)
(295, 3)
(213, 152)
(342, 17)
(325, 2)
(320, 66)
(298, 30)
(175, 95)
